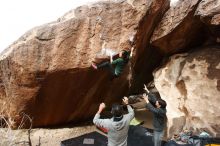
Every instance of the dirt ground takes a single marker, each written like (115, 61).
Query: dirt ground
(53, 137)
(43, 136)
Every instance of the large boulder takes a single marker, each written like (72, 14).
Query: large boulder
(190, 83)
(47, 73)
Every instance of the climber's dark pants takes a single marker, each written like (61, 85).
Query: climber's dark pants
(109, 66)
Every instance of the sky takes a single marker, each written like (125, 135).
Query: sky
(19, 16)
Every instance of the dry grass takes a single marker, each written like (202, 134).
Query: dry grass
(11, 138)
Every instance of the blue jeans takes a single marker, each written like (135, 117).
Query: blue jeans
(157, 138)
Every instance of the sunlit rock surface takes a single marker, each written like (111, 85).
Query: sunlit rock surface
(190, 83)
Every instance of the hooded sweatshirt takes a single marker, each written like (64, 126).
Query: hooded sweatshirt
(117, 130)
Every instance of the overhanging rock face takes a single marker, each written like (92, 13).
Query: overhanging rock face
(209, 11)
(179, 28)
(47, 75)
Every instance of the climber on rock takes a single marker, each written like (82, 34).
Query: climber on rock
(116, 66)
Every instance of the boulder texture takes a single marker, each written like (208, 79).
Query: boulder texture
(190, 83)
(188, 24)
(209, 11)
(47, 72)
(179, 28)
(147, 57)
